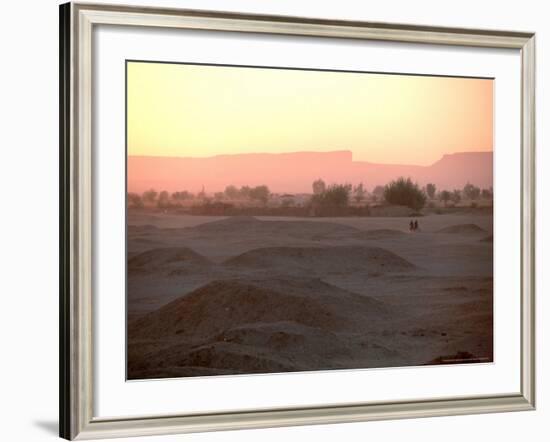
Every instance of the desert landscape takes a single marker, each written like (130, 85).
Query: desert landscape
(285, 220)
(231, 295)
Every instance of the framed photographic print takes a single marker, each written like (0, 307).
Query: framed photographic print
(271, 220)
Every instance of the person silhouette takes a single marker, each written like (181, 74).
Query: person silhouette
(415, 224)
(411, 226)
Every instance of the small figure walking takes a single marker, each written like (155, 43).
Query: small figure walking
(411, 226)
(415, 224)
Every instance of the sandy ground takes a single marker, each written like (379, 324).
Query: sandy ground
(215, 295)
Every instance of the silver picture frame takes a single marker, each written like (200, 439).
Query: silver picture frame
(77, 23)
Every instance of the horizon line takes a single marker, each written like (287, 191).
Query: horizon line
(309, 152)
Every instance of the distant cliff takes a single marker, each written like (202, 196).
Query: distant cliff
(294, 172)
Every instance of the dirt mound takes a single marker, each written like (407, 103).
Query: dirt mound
(261, 348)
(259, 325)
(143, 228)
(171, 260)
(321, 260)
(380, 234)
(228, 223)
(225, 304)
(462, 229)
(248, 226)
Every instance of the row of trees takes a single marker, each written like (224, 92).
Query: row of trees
(358, 193)
(165, 199)
(402, 191)
(160, 199)
(333, 196)
(258, 193)
(469, 192)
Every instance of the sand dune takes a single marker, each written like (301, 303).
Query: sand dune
(273, 348)
(229, 295)
(462, 229)
(143, 228)
(337, 259)
(264, 325)
(230, 303)
(238, 223)
(251, 226)
(168, 259)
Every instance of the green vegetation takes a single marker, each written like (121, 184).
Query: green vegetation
(336, 195)
(182, 196)
(326, 200)
(430, 190)
(456, 196)
(135, 201)
(231, 192)
(332, 201)
(163, 200)
(445, 196)
(260, 193)
(404, 192)
(244, 192)
(471, 192)
(150, 196)
(359, 193)
(487, 194)
(378, 193)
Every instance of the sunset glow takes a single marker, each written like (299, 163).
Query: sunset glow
(183, 110)
(286, 220)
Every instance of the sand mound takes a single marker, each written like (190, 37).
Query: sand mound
(321, 260)
(172, 260)
(262, 325)
(248, 226)
(462, 229)
(274, 347)
(226, 304)
(380, 234)
(143, 228)
(228, 223)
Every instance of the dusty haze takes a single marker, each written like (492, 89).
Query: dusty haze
(275, 274)
(294, 172)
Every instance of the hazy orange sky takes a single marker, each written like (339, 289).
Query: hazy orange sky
(201, 111)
